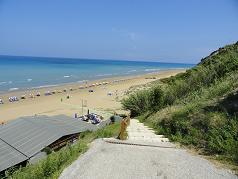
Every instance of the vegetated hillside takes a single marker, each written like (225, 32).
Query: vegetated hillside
(198, 107)
(52, 166)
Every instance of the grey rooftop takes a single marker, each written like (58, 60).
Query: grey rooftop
(24, 137)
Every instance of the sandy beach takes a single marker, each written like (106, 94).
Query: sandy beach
(57, 103)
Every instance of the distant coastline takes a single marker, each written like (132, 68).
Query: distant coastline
(26, 73)
(84, 83)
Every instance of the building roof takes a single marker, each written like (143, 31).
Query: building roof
(9, 156)
(23, 138)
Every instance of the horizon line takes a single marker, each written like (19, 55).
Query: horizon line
(105, 59)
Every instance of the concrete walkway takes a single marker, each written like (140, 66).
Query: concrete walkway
(141, 135)
(139, 132)
(143, 156)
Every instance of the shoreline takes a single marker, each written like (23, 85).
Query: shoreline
(82, 82)
(58, 103)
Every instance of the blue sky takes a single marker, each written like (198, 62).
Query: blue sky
(153, 30)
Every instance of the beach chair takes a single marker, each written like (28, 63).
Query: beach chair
(11, 99)
(109, 93)
(31, 95)
(95, 120)
(47, 93)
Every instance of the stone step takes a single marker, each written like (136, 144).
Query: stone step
(151, 139)
(141, 143)
(144, 134)
(139, 132)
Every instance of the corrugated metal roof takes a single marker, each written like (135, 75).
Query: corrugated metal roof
(65, 125)
(29, 135)
(9, 156)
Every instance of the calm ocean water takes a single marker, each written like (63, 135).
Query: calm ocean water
(19, 73)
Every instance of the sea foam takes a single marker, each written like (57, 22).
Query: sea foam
(109, 74)
(152, 69)
(43, 86)
(67, 76)
(13, 89)
(3, 82)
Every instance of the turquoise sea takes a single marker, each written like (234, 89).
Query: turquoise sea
(19, 73)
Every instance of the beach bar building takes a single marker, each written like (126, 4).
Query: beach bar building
(23, 140)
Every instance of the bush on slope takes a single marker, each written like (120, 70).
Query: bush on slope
(195, 107)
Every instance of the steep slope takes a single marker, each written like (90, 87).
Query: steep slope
(198, 107)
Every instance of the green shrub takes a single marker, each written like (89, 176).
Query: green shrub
(155, 98)
(136, 102)
(198, 107)
(53, 165)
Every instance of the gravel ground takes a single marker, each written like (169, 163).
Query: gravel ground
(118, 161)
